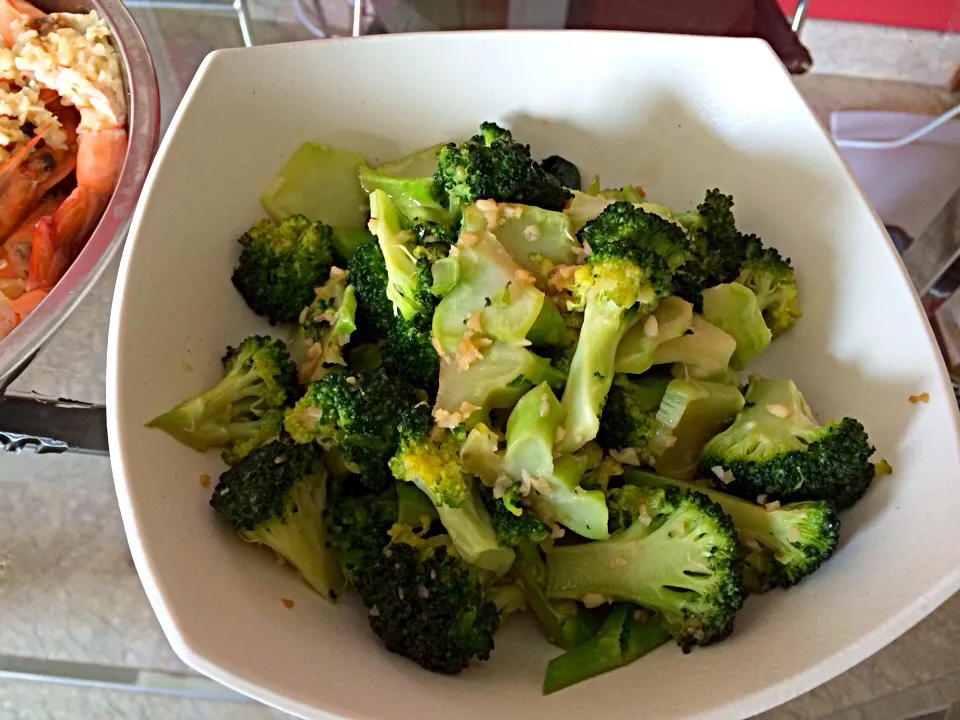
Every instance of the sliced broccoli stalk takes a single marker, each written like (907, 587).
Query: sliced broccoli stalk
(429, 457)
(414, 507)
(629, 418)
(428, 605)
(734, 309)
(538, 239)
(319, 182)
(531, 430)
(690, 413)
(445, 273)
(498, 380)
(422, 163)
(326, 326)
(508, 597)
(671, 319)
(345, 242)
(408, 287)
(628, 273)
(480, 455)
(244, 409)
(492, 288)
(584, 207)
(771, 279)
(776, 448)
(705, 351)
(276, 496)
(565, 623)
(593, 187)
(799, 536)
(280, 264)
(620, 640)
(550, 329)
(415, 198)
(681, 564)
(563, 171)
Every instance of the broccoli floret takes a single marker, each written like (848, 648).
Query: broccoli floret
(357, 526)
(626, 634)
(429, 457)
(565, 623)
(281, 264)
(678, 557)
(357, 415)
(492, 165)
(629, 270)
(771, 279)
(715, 248)
(629, 418)
(243, 410)
(799, 537)
(434, 236)
(408, 278)
(513, 523)
(428, 605)
(276, 496)
(776, 448)
(326, 326)
(406, 348)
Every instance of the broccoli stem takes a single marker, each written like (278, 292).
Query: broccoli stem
(591, 374)
(620, 640)
(413, 507)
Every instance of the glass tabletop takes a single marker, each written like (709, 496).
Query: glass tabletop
(78, 638)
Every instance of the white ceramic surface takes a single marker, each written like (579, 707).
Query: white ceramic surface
(675, 114)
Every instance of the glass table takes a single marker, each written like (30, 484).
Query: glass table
(78, 638)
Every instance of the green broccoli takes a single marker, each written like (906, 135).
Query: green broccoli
(429, 457)
(428, 605)
(799, 536)
(326, 326)
(357, 528)
(771, 279)
(276, 496)
(242, 411)
(733, 309)
(492, 165)
(626, 634)
(715, 248)
(355, 414)
(638, 350)
(677, 556)
(629, 418)
(416, 199)
(281, 264)
(565, 623)
(777, 449)
(406, 347)
(513, 523)
(630, 269)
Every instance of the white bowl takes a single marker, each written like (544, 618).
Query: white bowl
(675, 114)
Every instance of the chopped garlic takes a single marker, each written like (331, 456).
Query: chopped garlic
(771, 506)
(544, 408)
(532, 233)
(468, 239)
(780, 411)
(626, 456)
(592, 600)
(651, 328)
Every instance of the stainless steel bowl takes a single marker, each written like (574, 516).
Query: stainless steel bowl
(143, 101)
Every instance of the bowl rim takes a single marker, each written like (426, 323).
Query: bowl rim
(143, 128)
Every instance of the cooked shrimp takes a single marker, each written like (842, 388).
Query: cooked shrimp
(12, 11)
(15, 252)
(12, 312)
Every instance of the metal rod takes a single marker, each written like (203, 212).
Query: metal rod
(357, 17)
(44, 425)
(180, 5)
(799, 15)
(243, 18)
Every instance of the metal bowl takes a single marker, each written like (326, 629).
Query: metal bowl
(143, 128)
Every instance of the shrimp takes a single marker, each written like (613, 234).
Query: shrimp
(15, 252)
(12, 312)
(12, 11)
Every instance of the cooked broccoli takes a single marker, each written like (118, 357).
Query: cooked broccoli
(677, 556)
(734, 309)
(507, 596)
(326, 326)
(715, 248)
(628, 271)
(565, 623)
(434, 236)
(513, 523)
(357, 415)
(406, 348)
(799, 536)
(626, 634)
(771, 279)
(276, 496)
(243, 410)
(629, 418)
(357, 528)
(638, 350)
(281, 264)
(429, 457)
(417, 199)
(428, 605)
(776, 448)
(492, 165)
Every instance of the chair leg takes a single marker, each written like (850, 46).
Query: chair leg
(799, 15)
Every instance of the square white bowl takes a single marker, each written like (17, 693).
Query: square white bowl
(676, 114)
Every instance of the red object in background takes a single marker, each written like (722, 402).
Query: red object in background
(943, 15)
